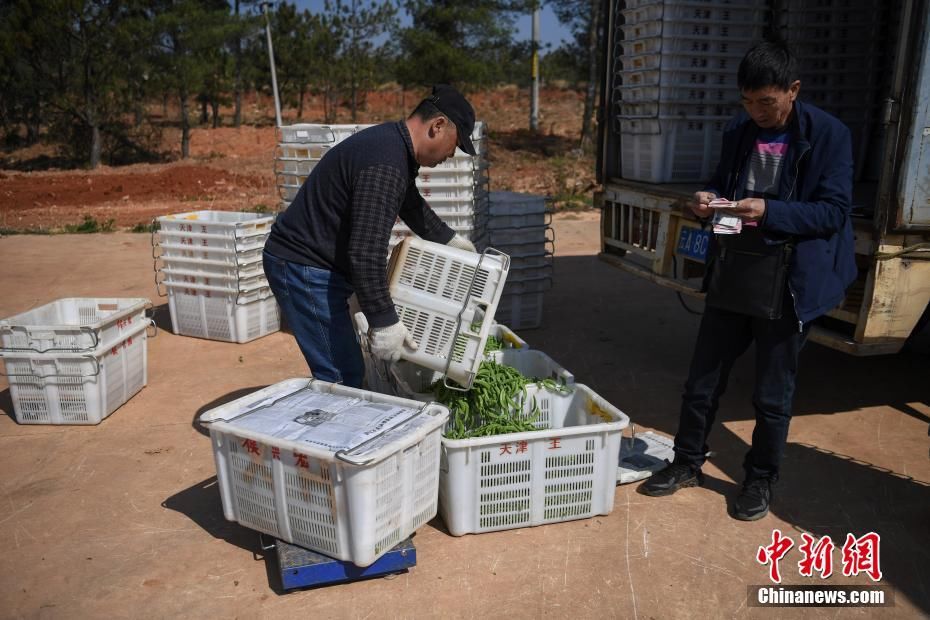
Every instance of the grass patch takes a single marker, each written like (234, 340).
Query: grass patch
(90, 225)
(24, 231)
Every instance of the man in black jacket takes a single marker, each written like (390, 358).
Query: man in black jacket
(333, 239)
(786, 171)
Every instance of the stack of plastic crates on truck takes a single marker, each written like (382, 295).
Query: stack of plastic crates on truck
(457, 189)
(677, 73)
(518, 225)
(210, 265)
(839, 45)
(340, 471)
(75, 360)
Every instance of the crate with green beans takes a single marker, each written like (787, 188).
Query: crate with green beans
(514, 391)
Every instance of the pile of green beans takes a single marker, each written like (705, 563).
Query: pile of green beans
(493, 344)
(494, 405)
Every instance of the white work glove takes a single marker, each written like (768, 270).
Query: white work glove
(387, 343)
(461, 243)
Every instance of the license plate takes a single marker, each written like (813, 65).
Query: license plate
(692, 243)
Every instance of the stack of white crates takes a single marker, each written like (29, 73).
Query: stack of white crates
(678, 68)
(518, 225)
(75, 360)
(210, 262)
(838, 44)
(457, 189)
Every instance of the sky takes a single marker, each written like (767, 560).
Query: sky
(550, 30)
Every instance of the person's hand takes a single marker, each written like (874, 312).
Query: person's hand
(460, 242)
(749, 209)
(698, 204)
(387, 343)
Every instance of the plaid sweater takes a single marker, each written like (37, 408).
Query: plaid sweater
(341, 218)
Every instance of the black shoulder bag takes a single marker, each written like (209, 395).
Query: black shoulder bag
(749, 276)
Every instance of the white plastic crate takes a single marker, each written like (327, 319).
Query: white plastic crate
(217, 313)
(288, 192)
(439, 176)
(72, 388)
(436, 193)
(235, 282)
(460, 161)
(193, 241)
(380, 376)
(681, 78)
(462, 225)
(696, 109)
(521, 311)
(295, 165)
(523, 479)
(408, 380)
(705, 45)
(288, 179)
(311, 133)
(350, 497)
(694, 28)
(250, 265)
(178, 247)
(670, 150)
(681, 62)
(439, 293)
(694, 94)
(73, 324)
(232, 223)
(309, 153)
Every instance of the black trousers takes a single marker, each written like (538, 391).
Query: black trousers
(723, 337)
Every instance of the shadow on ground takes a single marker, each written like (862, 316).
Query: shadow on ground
(201, 504)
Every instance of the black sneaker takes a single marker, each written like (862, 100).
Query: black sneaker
(675, 476)
(753, 500)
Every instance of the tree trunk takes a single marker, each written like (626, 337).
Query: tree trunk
(204, 116)
(95, 145)
(237, 88)
(300, 102)
(185, 126)
(164, 105)
(594, 28)
(215, 109)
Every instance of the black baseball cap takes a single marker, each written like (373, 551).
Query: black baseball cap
(454, 105)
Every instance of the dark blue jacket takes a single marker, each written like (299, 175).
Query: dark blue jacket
(814, 201)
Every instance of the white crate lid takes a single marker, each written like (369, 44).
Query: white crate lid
(329, 421)
(231, 218)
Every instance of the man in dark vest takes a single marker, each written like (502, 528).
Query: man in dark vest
(786, 172)
(332, 241)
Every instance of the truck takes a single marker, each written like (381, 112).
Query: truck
(865, 61)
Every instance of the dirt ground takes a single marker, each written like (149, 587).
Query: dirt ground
(124, 520)
(233, 168)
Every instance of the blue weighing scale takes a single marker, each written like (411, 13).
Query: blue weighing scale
(302, 568)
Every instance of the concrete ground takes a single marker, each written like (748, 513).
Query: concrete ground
(124, 519)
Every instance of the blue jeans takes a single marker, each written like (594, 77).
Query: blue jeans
(315, 304)
(722, 338)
